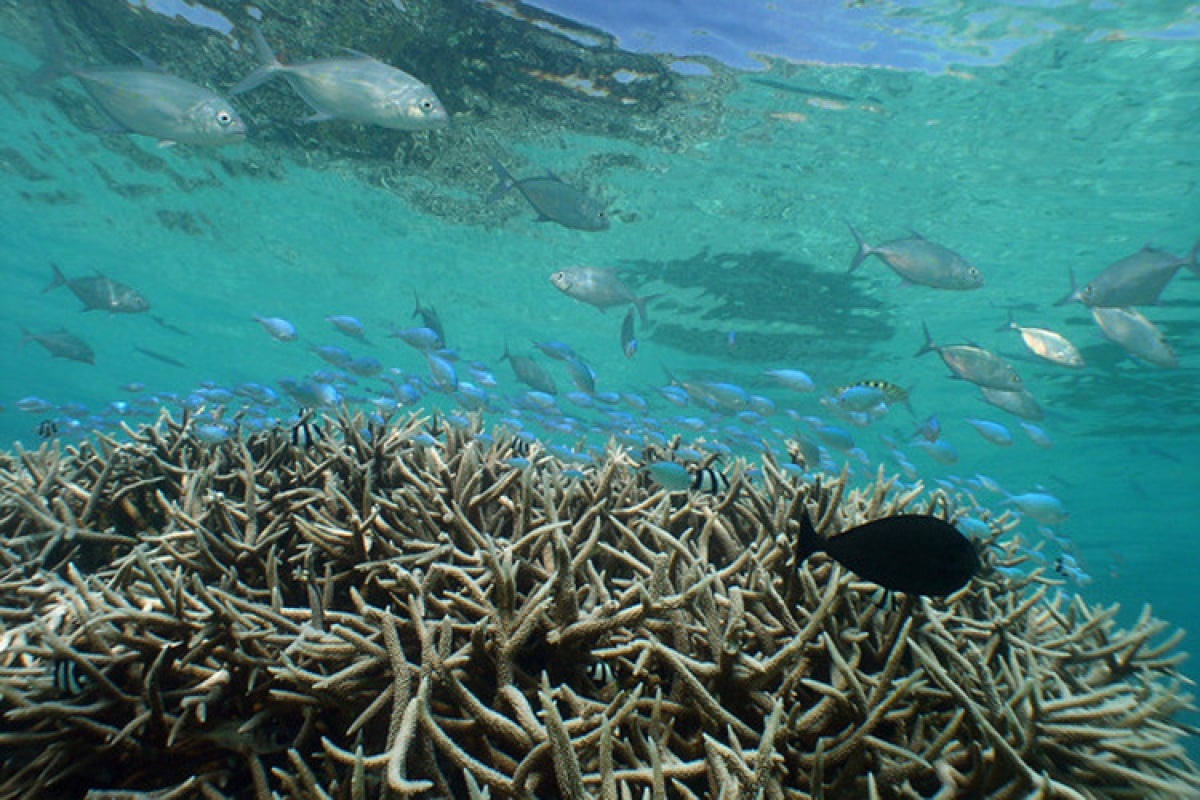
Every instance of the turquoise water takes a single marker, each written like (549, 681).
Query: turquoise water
(730, 199)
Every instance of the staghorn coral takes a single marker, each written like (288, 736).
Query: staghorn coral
(374, 618)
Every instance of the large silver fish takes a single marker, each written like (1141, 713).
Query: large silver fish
(146, 100)
(971, 363)
(1136, 280)
(1047, 344)
(1136, 334)
(553, 199)
(918, 260)
(600, 287)
(100, 293)
(356, 88)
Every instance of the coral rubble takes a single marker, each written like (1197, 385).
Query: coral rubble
(377, 617)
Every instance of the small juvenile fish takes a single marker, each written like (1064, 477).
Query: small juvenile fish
(1047, 344)
(911, 553)
(100, 293)
(278, 327)
(356, 88)
(918, 260)
(1136, 334)
(1135, 280)
(305, 433)
(553, 200)
(974, 364)
(350, 326)
(62, 344)
(600, 287)
(68, 678)
(146, 100)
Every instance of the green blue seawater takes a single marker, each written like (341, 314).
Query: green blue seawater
(1072, 152)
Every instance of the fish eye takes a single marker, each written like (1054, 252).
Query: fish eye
(224, 118)
(427, 105)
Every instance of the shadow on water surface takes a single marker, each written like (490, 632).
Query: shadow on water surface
(779, 308)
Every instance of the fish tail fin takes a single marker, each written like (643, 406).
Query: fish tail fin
(504, 178)
(58, 280)
(268, 67)
(1192, 262)
(1073, 295)
(56, 65)
(808, 542)
(1010, 325)
(929, 345)
(864, 249)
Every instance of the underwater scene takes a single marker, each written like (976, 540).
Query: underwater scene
(472, 398)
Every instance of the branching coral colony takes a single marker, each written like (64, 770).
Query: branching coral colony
(376, 617)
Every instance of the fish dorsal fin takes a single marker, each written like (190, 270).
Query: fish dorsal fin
(916, 234)
(147, 62)
(358, 53)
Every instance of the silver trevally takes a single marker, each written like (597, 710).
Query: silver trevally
(147, 100)
(356, 88)
(918, 260)
(600, 287)
(100, 293)
(1136, 280)
(971, 363)
(1020, 402)
(553, 199)
(1047, 344)
(1136, 334)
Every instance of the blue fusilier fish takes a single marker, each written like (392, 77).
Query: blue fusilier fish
(100, 293)
(278, 327)
(356, 88)
(146, 100)
(918, 260)
(910, 553)
(553, 199)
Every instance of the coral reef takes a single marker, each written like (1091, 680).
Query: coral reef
(376, 617)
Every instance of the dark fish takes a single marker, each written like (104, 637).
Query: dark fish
(62, 344)
(429, 317)
(164, 324)
(160, 357)
(530, 373)
(553, 200)
(629, 342)
(68, 678)
(1135, 280)
(100, 293)
(911, 553)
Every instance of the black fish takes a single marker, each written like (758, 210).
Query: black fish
(62, 344)
(159, 357)
(911, 553)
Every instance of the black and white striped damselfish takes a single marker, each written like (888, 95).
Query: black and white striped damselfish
(910, 553)
(305, 433)
(68, 678)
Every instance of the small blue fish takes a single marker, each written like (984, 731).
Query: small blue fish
(794, 379)
(348, 325)
(994, 432)
(419, 338)
(278, 327)
(670, 475)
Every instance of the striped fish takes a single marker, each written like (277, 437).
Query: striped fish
(68, 678)
(305, 433)
(892, 393)
(710, 481)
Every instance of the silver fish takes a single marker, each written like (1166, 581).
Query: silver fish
(1136, 334)
(971, 363)
(62, 344)
(918, 260)
(1047, 344)
(1135, 280)
(553, 199)
(356, 88)
(600, 287)
(100, 293)
(147, 100)
(1021, 402)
